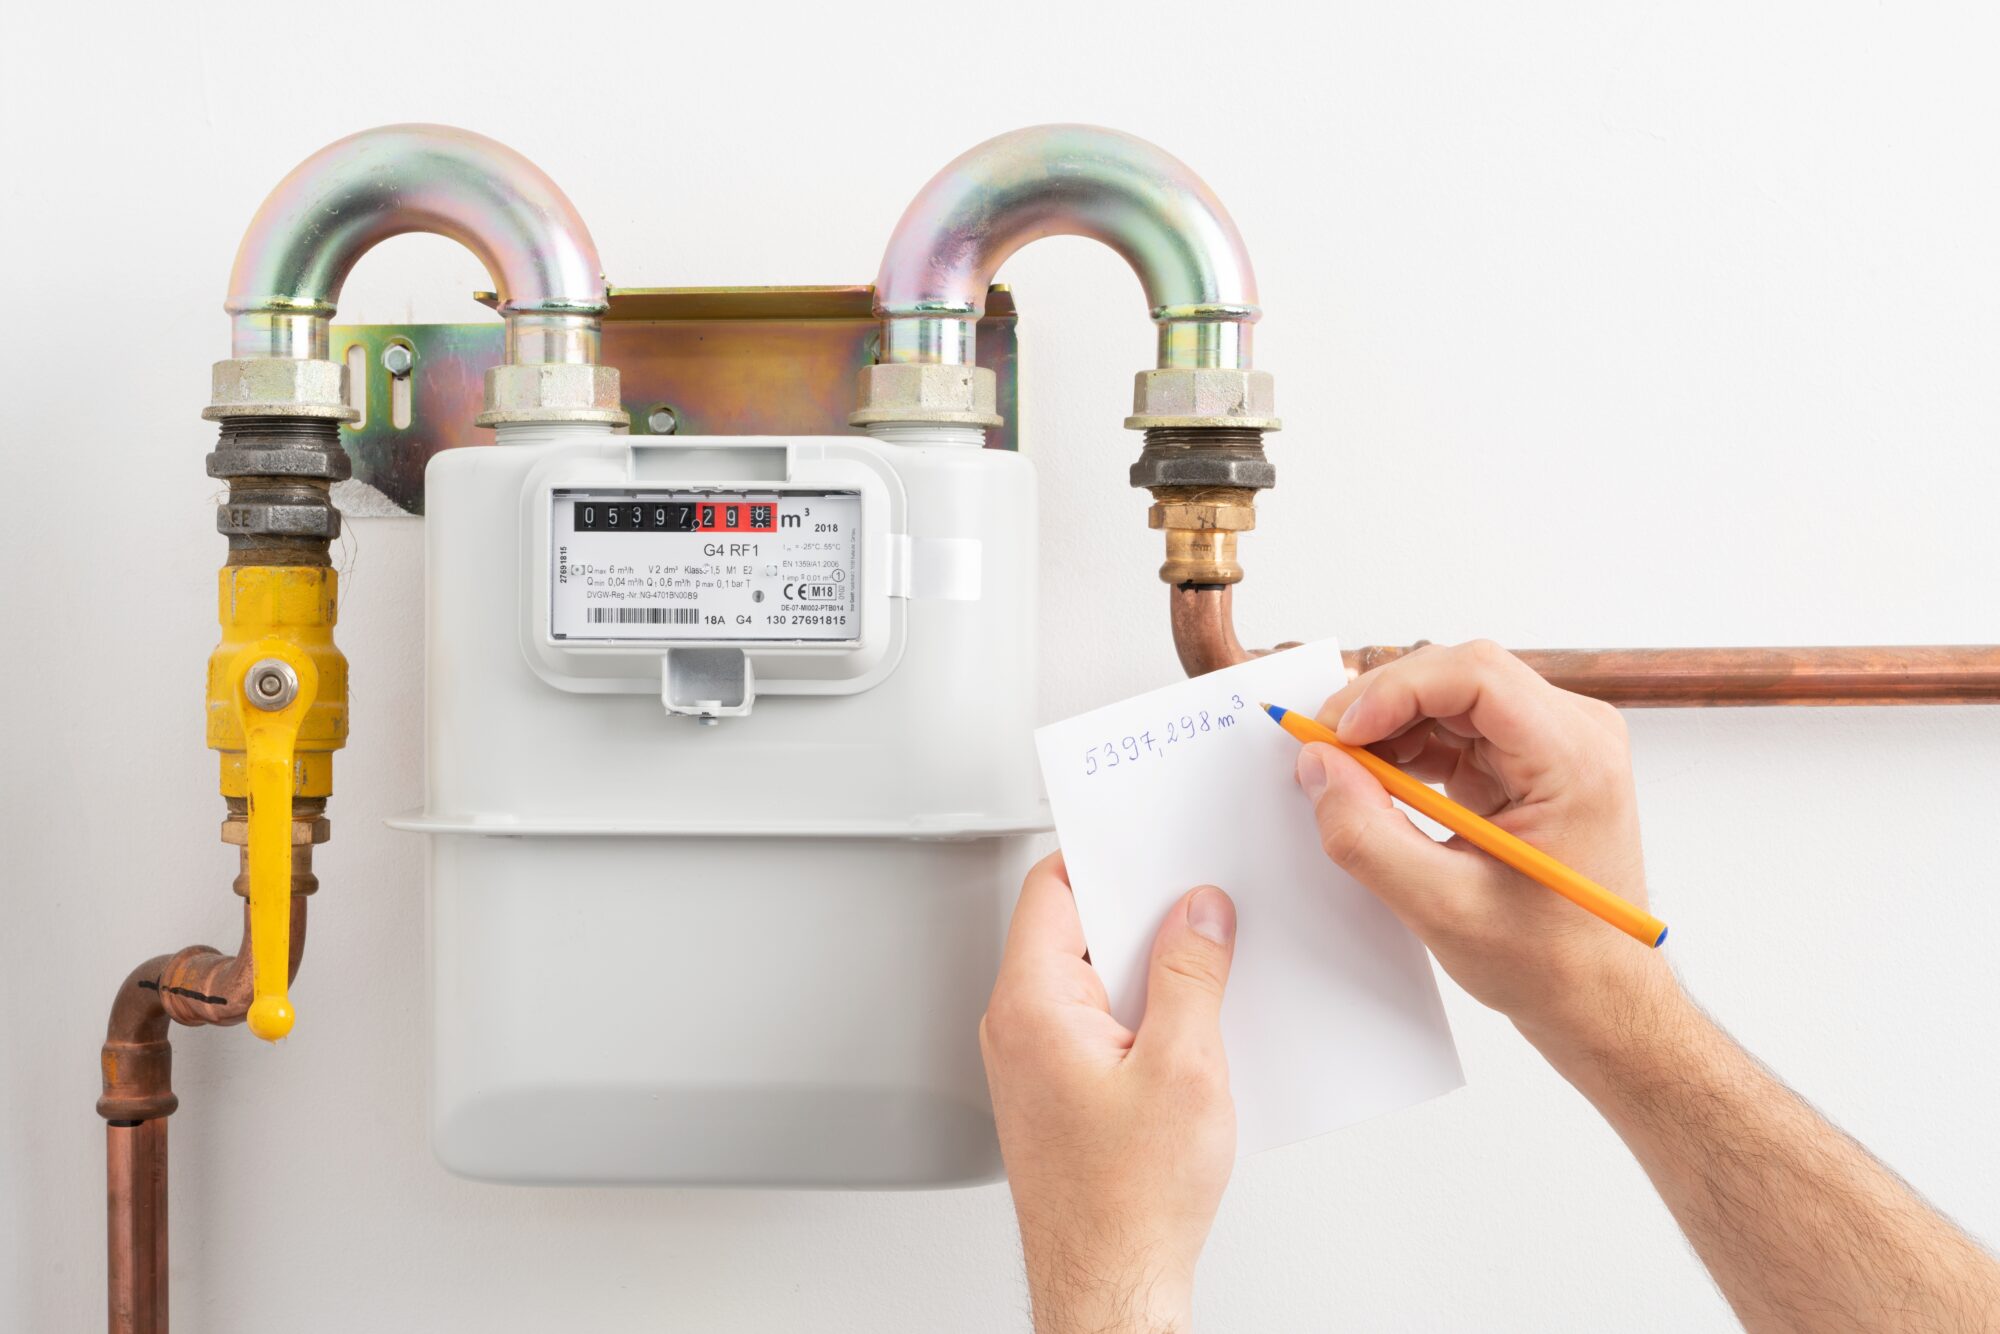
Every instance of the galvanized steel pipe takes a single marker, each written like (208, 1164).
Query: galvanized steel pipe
(340, 202)
(1067, 180)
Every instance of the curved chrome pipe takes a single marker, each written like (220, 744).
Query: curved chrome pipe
(340, 202)
(1067, 180)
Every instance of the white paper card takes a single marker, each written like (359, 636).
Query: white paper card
(1332, 1014)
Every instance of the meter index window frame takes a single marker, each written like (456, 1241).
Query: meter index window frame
(709, 500)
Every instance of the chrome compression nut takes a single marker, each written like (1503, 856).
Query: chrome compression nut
(1205, 396)
(278, 387)
(553, 392)
(917, 391)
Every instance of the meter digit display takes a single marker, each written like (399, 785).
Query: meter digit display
(696, 566)
(656, 516)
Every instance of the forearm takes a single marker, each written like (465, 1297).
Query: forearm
(1801, 1228)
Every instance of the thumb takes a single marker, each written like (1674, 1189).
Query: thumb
(1189, 970)
(1367, 837)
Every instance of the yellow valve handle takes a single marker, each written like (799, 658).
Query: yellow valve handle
(275, 686)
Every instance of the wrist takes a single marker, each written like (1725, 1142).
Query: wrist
(1076, 1292)
(1637, 1017)
(1109, 1306)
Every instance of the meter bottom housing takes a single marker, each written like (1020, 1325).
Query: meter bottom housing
(795, 1012)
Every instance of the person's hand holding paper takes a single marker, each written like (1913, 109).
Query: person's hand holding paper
(1132, 1131)
(1333, 1015)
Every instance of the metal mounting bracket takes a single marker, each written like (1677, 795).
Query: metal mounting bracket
(698, 360)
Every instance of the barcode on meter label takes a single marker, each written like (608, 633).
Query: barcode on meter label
(644, 616)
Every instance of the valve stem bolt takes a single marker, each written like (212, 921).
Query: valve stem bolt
(271, 684)
(398, 359)
(662, 421)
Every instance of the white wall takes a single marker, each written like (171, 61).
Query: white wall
(1591, 324)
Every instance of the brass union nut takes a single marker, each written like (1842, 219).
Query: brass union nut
(1230, 518)
(278, 387)
(304, 832)
(1209, 396)
(553, 392)
(1201, 525)
(917, 391)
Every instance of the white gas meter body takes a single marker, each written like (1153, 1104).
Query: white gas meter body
(729, 784)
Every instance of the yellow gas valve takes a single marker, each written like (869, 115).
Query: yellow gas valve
(277, 710)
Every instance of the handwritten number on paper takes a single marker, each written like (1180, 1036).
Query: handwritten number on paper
(1144, 745)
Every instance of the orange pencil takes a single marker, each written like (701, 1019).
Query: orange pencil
(1483, 834)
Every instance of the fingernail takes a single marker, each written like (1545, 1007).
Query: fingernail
(1212, 915)
(1340, 728)
(1311, 773)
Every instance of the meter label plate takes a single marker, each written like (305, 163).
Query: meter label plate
(705, 565)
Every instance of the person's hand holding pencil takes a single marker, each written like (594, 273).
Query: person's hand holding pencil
(1547, 766)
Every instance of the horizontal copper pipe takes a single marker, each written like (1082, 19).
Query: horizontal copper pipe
(1205, 636)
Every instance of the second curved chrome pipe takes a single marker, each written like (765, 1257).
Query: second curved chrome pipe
(1067, 180)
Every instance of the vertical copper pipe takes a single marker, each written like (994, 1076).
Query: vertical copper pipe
(136, 1177)
(197, 986)
(1205, 627)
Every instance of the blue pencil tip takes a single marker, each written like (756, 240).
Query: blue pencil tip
(1662, 940)
(1277, 714)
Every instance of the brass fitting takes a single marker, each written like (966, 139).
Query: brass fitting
(1204, 481)
(309, 827)
(1201, 524)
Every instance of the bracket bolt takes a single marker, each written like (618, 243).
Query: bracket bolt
(662, 421)
(398, 359)
(271, 684)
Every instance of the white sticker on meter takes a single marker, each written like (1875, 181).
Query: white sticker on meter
(693, 565)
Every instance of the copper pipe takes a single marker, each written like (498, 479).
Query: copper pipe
(1205, 636)
(199, 985)
(136, 1174)
(1205, 627)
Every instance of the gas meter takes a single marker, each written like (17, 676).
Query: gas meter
(729, 778)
